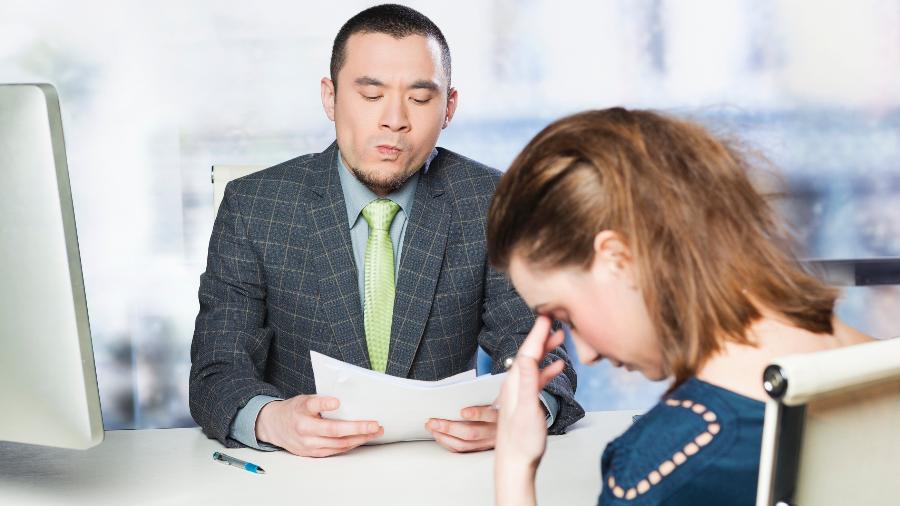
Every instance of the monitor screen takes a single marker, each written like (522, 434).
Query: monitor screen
(48, 384)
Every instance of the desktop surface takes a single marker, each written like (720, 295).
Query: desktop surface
(175, 466)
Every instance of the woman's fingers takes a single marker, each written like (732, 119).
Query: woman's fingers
(556, 340)
(529, 377)
(535, 344)
(549, 372)
(522, 378)
(540, 340)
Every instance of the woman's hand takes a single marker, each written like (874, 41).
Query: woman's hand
(522, 428)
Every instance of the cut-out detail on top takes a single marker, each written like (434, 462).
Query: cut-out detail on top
(678, 458)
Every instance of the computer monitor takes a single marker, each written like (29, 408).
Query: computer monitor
(48, 384)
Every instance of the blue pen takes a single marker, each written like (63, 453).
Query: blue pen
(231, 461)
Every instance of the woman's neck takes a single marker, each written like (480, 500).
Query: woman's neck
(739, 367)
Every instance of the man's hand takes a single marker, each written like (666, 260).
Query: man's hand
(296, 425)
(477, 432)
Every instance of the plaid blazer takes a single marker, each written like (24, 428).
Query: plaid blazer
(281, 280)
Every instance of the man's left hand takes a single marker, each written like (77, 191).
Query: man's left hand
(476, 432)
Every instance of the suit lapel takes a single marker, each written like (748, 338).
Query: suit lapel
(424, 245)
(333, 254)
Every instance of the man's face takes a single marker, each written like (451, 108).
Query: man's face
(392, 103)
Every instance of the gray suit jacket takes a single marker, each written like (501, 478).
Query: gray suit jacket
(280, 281)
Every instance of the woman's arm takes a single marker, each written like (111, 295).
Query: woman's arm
(522, 429)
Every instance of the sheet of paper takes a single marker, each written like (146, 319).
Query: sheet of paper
(400, 405)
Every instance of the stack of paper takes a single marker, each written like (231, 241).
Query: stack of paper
(402, 406)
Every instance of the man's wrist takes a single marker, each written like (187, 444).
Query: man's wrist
(262, 427)
(243, 427)
(550, 404)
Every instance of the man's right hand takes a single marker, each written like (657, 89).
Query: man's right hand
(295, 424)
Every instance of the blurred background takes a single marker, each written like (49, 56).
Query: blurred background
(154, 93)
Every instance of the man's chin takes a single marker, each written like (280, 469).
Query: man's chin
(374, 178)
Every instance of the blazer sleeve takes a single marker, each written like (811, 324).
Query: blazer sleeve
(231, 341)
(506, 322)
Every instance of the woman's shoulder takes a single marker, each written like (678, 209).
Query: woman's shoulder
(694, 428)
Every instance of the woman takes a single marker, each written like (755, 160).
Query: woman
(644, 235)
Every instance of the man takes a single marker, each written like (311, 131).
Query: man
(302, 257)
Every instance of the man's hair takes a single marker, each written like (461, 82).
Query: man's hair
(709, 251)
(398, 21)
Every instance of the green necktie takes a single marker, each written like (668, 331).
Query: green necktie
(379, 283)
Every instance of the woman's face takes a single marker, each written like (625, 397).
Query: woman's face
(602, 305)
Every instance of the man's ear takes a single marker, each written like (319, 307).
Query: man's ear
(452, 102)
(328, 97)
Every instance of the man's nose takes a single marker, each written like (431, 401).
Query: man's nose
(394, 115)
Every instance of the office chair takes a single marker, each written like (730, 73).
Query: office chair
(831, 434)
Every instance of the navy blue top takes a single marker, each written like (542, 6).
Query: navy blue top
(699, 445)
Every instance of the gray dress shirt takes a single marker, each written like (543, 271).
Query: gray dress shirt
(356, 197)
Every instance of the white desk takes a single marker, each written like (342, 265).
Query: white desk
(175, 466)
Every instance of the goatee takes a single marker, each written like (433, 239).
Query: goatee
(381, 187)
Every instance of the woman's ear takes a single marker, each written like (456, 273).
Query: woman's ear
(612, 254)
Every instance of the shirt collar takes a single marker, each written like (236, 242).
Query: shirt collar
(357, 195)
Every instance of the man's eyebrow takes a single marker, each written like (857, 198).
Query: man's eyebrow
(423, 84)
(368, 81)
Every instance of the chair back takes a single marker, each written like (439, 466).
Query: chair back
(831, 434)
(222, 174)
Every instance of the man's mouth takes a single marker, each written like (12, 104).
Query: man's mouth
(388, 150)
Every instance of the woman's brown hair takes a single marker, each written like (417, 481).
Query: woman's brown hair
(709, 251)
